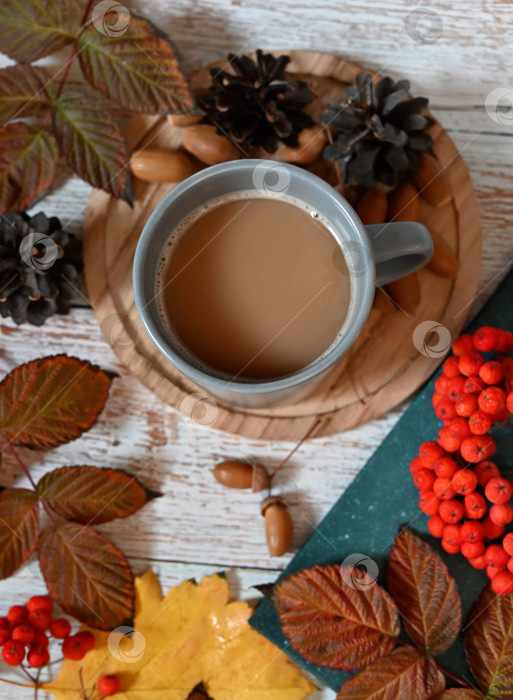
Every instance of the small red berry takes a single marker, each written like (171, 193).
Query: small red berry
(455, 388)
(40, 639)
(492, 400)
(485, 339)
(472, 550)
(38, 656)
(472, 531)
(416, 465)
(450, 367)
(498, 490)
(436, 525)
(474, 385)
(428, 502)
(501, 416)
(479, 423)
(429, 452)
(108, 685)
(459, 427)
(436, 398)
(5, 635)
(452, 534)
(505, 341)
(507, 543)
(40, 619)
(450, 548)
(502, 583)
(13, 653)
(442, 385)
(463, 344)
(467, 405)
(477, 448)
(492, 570)
(492, 530)
(87, 639)
(443, 489)
(509, 565)
(470, 363)
(60, 628)
(73, 648)
(478, 563)
(17, 614)
(447, 440)
(445, 409)
(445, 467)
(23, 633)
(464, 481)
(509, 402)
(495, 554)
(451, 511)
(424, 479)
(486, 471)
(491, 372)
(501, 513)
(475, 506)
(40, 602)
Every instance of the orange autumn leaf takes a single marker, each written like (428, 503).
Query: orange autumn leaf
(192, 635)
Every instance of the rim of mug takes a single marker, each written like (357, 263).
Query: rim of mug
(360, 309)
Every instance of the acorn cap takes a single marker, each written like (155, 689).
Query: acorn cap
(271, 501)
(261, 479)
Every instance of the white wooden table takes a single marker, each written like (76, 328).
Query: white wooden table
(457, 55)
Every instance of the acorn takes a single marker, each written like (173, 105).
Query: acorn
(278, 525)
(236, 474)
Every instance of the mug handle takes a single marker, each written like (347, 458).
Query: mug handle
(399, 247)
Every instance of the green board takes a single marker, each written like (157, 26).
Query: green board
(366, 517)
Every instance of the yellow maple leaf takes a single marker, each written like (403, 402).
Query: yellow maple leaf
(192, 634)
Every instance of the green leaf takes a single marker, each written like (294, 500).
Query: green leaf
(424, 592)
(19, 528)
(31, 29)
(92, 143)
(23, 92)
(27, 164)
(489, 643)
(50, 401)
(87, 575)
(405, 673)
(333, 623)
(137, 68)
(91, 495)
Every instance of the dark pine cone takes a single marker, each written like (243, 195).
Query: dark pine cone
(259, 105)
(379, 131)
(39, 264)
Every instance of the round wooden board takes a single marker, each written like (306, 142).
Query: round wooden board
(382, 369)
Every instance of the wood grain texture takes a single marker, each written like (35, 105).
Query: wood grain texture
(376, 374)
(197, 521)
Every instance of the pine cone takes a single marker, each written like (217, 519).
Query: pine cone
(259, 105)
(39, 263)
(379, 131)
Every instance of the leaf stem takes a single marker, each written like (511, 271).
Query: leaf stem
(73, 52)
(452, 676)
(20, 685)
(305, 437)
(34, 682)
(27, 474)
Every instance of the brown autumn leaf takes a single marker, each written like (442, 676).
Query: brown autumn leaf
(136, 68)
(333, 623)
(91, 495)
(405, 673)
(92, 143)
(87, 575)
(199, 692)
(23, 92)
(489, 643)
(19, 528)
(28, 155)
(424, 592)
(32, 29)
(459, 694)
(50, 401)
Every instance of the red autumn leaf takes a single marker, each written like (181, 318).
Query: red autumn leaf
(459, 694)
(405, 673)
(19, 528)
(424, 592)
(92, 143)
(489, 644)
(91, 495)
(23, 92)
(32, 29)
(87, 575)
(27, 164)
(333, 623)
(50, 401)
(136, 68)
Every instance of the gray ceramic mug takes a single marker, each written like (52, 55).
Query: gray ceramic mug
(375, 255)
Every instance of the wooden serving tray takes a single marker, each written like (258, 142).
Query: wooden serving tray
(383, 367)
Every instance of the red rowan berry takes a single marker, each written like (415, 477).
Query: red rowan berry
(474, 385)
(502, 583)
(17, 614)
(445, 467)
(485, 339)
(73, 648)
(505, 341)
(424, 479)
(455, 388)
(5, 635)
(108, 685)
(450, 367)
(60, 628)
(501, 513)
(509, 402)
(87, 639)
(479, 423)
(491, 529)
(495, 554)
(501, 416)
(498, 490)
(436, 525)
(442, 385)
(463, 344)
(40, 619)
(443, 489)
(450, 548)
(23, 633)
(478, 563)
(445, 409)
(507, 543)
(475, 506)
(459, 427)
(38, 656)
(485, 471)
(472, 531)
(470, 362)
(451, 511)
(464, 481)
(436, 398)
(477, 448)
(509, 565)
(40, 602)
(415, 465)
(13, 653)
(429, 452)
(491, 372)
(428, 502)
(472, 550)
(466, 406)
(492, 570)
(452, 534)
(448, 441)
(492, 400)
(40, 639)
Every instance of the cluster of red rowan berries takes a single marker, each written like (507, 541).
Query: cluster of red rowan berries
(461, 490)
(25, 635)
